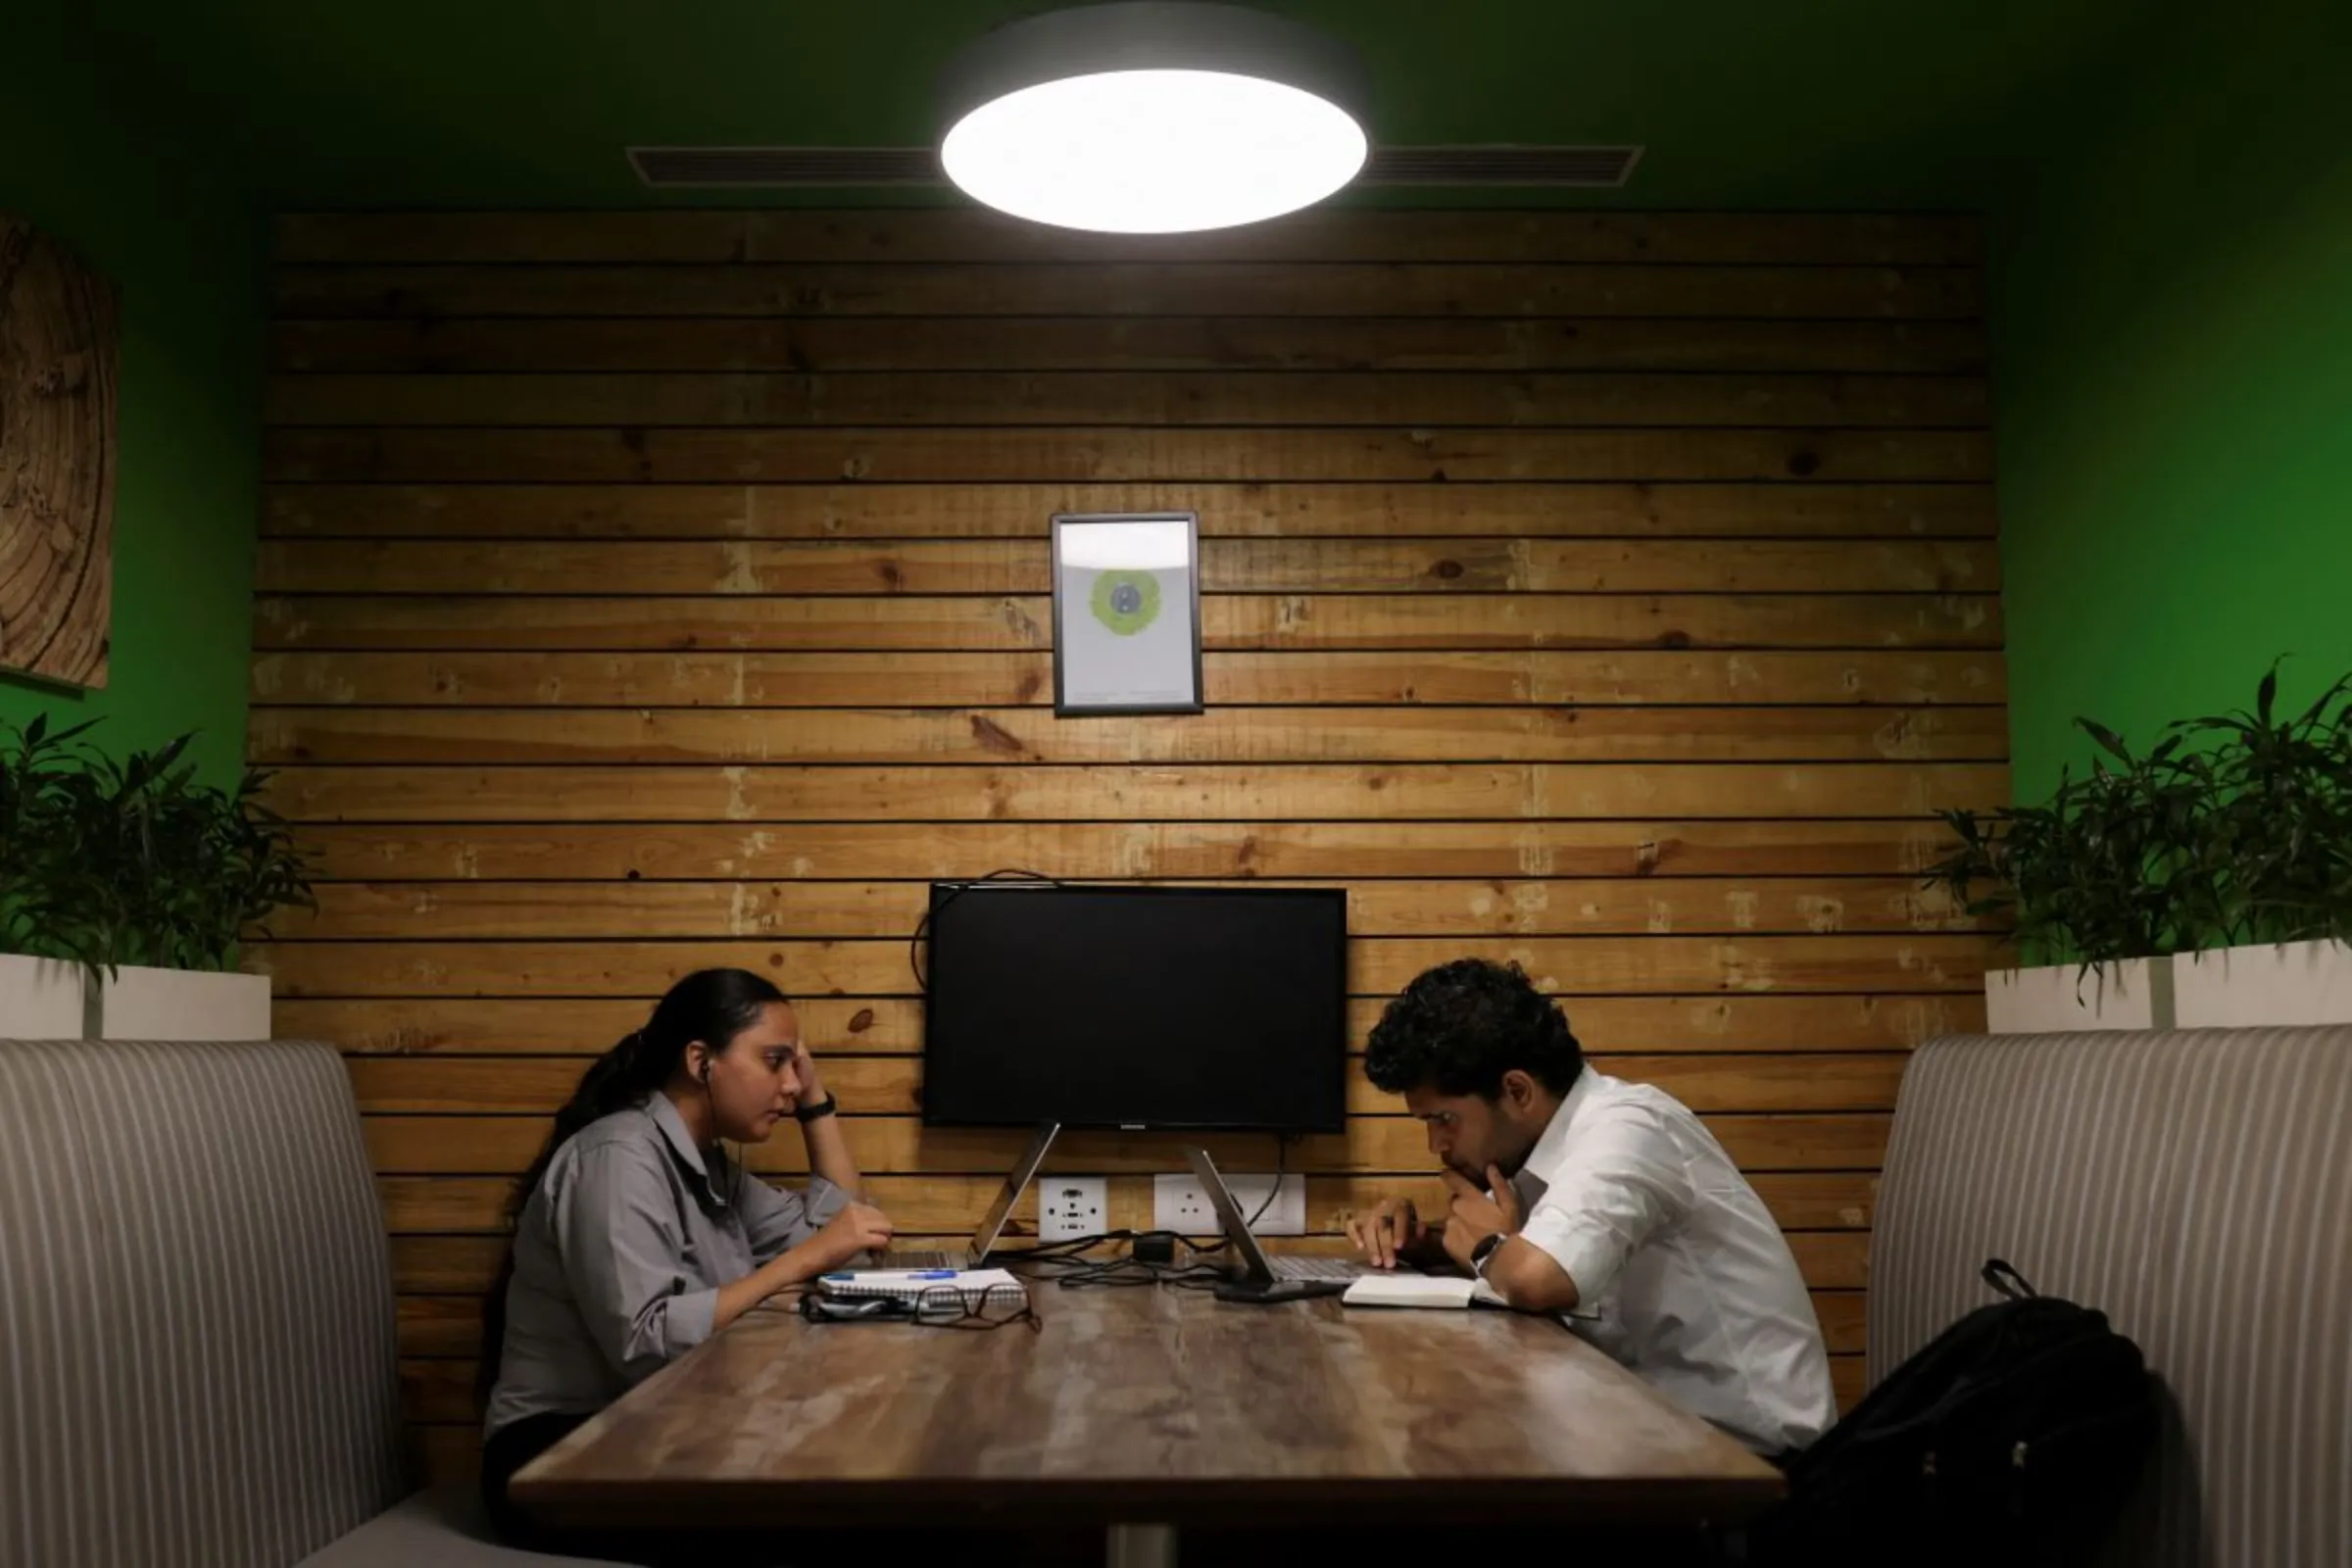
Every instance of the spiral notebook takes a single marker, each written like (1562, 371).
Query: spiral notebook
(907, 1284)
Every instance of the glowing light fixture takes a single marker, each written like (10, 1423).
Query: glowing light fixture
(1153, 117)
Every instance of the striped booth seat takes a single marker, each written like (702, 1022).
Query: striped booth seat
(197, 1354)
(2197, 1187)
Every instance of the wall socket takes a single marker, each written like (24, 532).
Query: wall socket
(1071, 1206)
(1179, 1204)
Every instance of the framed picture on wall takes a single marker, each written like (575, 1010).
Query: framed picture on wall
(1126, 612)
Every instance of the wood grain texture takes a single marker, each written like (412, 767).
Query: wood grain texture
(817, 345)
(1606, 966)
(1025, 679)
(450, 793)
(1616, 593)
(517, 569)
(1359, 510)
(439, 1389)
(491, 1144)
(448, 1328)
(1150, 1404)
(892, 1086)
(59, 362)
(1123, 288)
(972, 234)
(1272, 850)
(450, 1451)
(1027, 735)
(462, 911)
(946, 1205)
(468, 1264)
(426, 1026)
(1020, 454)
(992, 397)
(976, 623)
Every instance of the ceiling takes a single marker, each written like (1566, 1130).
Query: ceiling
(1741, 103)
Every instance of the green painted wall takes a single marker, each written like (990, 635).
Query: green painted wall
(2172, 376)
(94, 154)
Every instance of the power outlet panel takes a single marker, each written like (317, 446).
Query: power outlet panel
(1071, 1206)
(1179, 1204)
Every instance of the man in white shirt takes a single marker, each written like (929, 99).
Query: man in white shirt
(1581, 1194)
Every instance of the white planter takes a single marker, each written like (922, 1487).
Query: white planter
(41, 998)
(2267, 986)
(142, 1004)
(2260, 986)
(2134, 993)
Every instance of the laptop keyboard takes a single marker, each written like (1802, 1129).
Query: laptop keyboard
(911, 1257)
(1316, 1268)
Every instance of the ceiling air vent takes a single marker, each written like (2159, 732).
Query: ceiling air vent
(1587, 167)
(673, 168)
(805, 168)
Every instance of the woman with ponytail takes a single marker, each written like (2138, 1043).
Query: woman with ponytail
(636, 1238)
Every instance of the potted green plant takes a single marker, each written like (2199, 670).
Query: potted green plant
(143, 880)
(42, 992)
(2206, 882)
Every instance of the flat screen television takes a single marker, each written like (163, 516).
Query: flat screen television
(1136, 1008)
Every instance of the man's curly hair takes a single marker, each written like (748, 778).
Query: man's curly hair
(1460, 1026)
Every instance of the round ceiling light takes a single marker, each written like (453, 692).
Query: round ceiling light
(1153, 117)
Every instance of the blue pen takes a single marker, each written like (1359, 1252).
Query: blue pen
(931, 1273)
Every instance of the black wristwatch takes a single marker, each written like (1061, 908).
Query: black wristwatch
(1483, 1252)
(805, 1114)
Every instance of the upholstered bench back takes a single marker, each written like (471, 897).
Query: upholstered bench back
(2197, 1187)
(197, 1352)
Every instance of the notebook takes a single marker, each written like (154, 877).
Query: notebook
(905, 1284)
(1420, 1290)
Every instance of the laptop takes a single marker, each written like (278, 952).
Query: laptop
(1255, 1273)
(992, 1226)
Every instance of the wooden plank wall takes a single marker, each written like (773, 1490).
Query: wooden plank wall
(648, 591)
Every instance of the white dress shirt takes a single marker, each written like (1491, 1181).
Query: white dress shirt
(1680, 1274)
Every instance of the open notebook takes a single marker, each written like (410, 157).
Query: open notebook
(1420, 1290)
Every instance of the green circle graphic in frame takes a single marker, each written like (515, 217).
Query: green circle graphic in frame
(1126, 602)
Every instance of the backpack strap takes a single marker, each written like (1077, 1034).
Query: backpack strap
(2007, 1279)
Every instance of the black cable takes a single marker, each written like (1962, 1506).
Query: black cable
(1282, 1149)
(1065, 1265)
(922, 927)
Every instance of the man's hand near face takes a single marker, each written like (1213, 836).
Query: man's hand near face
(1472, 1216)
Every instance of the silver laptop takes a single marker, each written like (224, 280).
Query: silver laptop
(1253, 1266)
(992, 1226)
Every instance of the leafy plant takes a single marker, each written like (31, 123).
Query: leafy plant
(45, 889)
(137, 862)
(2277, 827)
(2096, 871)
(2232, 829)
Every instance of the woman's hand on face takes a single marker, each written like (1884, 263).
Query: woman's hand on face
(804, 1072)
(857, 1228)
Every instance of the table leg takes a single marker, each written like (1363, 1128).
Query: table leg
(1141, 1546)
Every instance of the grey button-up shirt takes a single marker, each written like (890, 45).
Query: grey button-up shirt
(619, 1257)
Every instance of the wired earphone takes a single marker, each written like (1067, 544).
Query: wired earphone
(735, 1175)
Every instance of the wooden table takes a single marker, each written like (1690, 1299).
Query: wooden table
(1140, 1408)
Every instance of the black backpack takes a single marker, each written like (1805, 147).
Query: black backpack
(2016, 1436)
